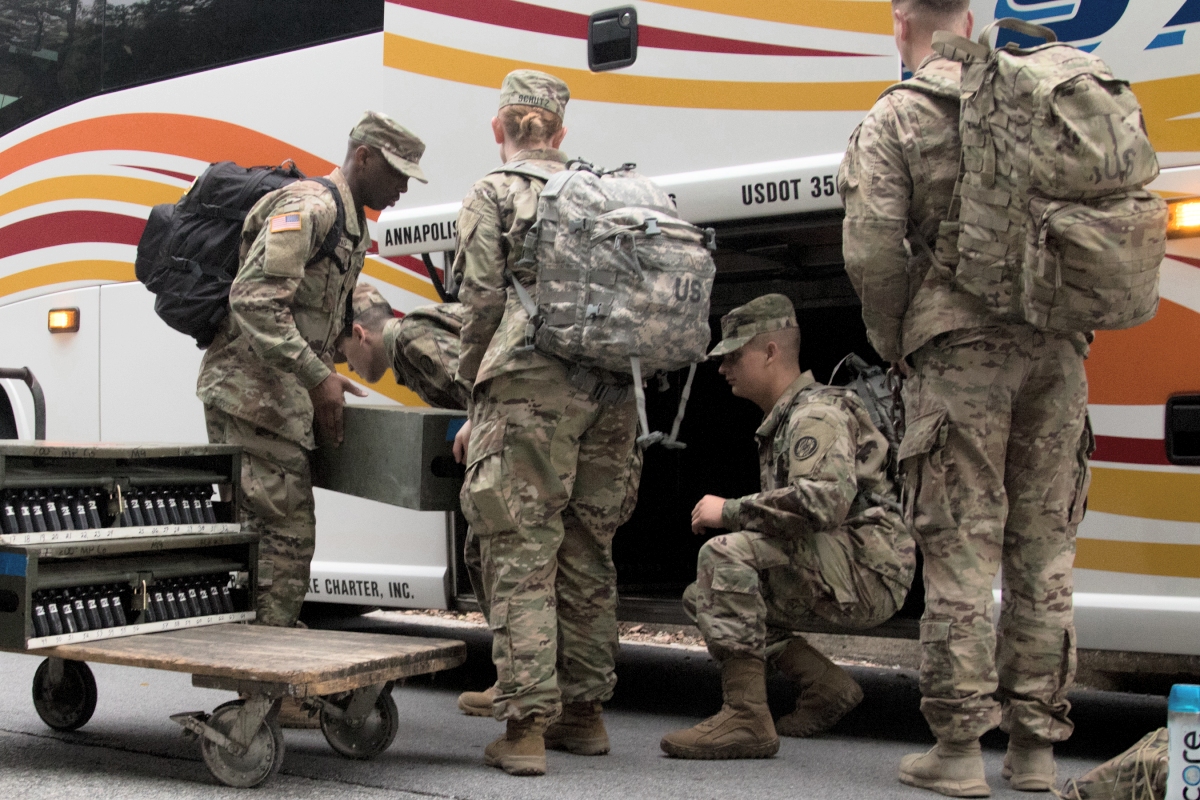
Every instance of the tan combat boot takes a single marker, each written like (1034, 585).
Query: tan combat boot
(1029, 765)
(478, 704)
(742, 728)
(580, 730)
(950, 768)
(827, 692)
(521, 750)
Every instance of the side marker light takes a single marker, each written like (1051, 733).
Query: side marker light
(63, 320)
(1184, 219)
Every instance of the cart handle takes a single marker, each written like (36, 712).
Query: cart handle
(39, 399)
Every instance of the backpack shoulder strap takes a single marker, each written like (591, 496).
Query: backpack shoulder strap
(931, 85)
(525, 170)
(328, 247)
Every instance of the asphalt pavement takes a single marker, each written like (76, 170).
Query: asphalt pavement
(131, 749)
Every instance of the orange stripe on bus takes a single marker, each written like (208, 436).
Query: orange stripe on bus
(66, 272)
(1163, 101)
(861, 16)
(1146, 493)
(1138, 558)
(400, 278)
(91, 187)
(1142, 366)
(386, 386)
(464, 66)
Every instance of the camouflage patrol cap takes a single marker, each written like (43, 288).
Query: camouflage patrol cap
(366, 298)
(401, 147)
(771, 312)
(528, 87)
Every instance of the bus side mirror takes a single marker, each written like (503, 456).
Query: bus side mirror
(612, 38)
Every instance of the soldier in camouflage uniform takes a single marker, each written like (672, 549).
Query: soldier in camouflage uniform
(549, 459)
(995, 452)
(267, 379)
(421, 348)
(822, 540)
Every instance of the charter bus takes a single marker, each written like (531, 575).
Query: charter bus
(742, 109)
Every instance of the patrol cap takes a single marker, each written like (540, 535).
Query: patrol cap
(771, 312)
(401, 147)
(528, 87)
(366, 298)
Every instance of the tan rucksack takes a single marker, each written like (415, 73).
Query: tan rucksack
(1049, 222)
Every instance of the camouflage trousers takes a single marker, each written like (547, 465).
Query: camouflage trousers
(753, 591)
(473, 559)
(995, 461)
(547, 474)
(277, 504)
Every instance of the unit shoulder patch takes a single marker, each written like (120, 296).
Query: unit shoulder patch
(805, 447)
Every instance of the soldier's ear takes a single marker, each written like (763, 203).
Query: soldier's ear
(498, 130)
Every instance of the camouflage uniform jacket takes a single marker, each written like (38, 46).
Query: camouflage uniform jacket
(423, 350)
(821, 462)
(496, 215)
(897, 181)
(277, 341)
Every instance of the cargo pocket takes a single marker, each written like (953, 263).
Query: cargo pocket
(269, 491)
(923, 468)
(736, 578)
(487, 495)
(1083, 480)
(937, 662)
(633, 479)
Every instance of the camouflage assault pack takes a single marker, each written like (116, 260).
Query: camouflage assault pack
(1049, 222)
(623, 284)
(880, 393)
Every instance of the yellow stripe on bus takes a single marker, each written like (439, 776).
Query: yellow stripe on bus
(861, 16)
(464, 66)
(66, 272)
(1148, 494)
(1138, 558)
(399, 278)
(386, 386)
(91, 187)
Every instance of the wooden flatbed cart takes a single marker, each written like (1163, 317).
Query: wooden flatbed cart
(346, 678)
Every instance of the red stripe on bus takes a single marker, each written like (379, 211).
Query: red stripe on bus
(169, 173)
(1126, 450)
(539, 19)
(69, 227)
(1191, 262)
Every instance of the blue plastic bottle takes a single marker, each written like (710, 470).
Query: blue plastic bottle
(1183, 721)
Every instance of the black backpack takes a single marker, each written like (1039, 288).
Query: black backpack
(188, 253)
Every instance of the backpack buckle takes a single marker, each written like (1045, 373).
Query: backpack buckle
(710, 238)
(651, 227)
(577, 225)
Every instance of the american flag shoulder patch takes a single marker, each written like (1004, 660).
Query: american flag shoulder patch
(285, 222)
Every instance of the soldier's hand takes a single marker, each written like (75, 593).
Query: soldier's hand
(328, 400)
(707, 513)
(461, 439)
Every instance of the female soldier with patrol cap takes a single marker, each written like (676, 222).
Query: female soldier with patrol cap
(549, 462)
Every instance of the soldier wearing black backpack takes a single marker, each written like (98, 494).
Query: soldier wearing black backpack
(267, 379)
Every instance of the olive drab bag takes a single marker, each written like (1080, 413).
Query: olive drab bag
(623, 284)
(1049, 222)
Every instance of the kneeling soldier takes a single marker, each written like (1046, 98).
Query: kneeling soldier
(823, 539)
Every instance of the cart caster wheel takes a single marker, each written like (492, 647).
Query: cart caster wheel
(365, 738)
(262, 759)
(66, 704)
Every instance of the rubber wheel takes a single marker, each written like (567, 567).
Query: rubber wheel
(69, 705)
(262, 759)
(367, 737)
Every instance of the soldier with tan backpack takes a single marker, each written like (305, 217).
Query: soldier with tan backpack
(995, 216)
